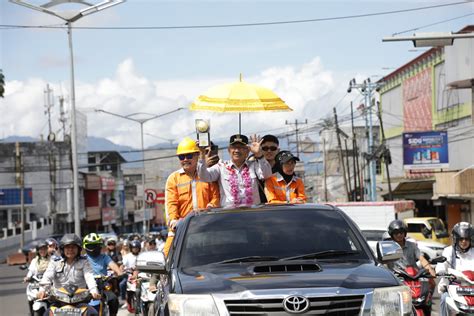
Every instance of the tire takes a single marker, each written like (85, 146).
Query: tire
(40, 312)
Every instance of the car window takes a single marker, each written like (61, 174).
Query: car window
(223, 236)
(415, 228)
(373, 235)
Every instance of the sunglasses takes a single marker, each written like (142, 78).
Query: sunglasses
(186, 156)
(269, 148)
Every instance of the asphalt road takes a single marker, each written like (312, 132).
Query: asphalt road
(13, 297)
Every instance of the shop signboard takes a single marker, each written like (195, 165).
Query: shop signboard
(425, 150)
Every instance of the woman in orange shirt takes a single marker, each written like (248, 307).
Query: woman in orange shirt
(284, 186)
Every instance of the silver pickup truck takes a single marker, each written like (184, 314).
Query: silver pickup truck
(274, 260)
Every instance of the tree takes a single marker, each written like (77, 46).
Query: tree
(2, 83)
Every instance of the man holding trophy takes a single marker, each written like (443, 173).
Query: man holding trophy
(237, 177)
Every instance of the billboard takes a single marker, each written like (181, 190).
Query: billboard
(425, 150)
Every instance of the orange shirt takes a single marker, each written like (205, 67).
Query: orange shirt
(179, 195)
(278, 191)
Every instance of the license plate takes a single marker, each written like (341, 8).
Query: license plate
(68, 312)
(465, 291)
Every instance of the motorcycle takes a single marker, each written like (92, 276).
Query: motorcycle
(39, 307)
(69, 300)
(103, 284)
(147, 297)
(422, 286)
(132, 297)
(460, 299)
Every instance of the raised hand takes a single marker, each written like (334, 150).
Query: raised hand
(255, 146)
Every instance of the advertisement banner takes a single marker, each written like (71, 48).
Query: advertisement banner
(425, 150)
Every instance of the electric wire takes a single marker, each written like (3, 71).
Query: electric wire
(336, 18)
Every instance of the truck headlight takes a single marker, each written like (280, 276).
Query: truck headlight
(391, 301)
(195, 305)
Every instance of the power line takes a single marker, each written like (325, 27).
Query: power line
(432, 24)
(344, 17)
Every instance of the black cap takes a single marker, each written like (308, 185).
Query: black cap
(285, 156)
(270, 138)
(237, 138)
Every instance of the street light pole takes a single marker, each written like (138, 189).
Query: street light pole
(141, 122)
(69, 20)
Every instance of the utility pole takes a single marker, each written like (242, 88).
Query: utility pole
(341, 158)
(48, 104)
(296, 133)
(325, 179)
(62, 116)
(354, 154)
(387, 158)
(366, 89)
(20, 181)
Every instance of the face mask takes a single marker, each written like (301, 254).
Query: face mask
(94, 252)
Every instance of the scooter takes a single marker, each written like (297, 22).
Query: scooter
(460, 298)
(422, 286)
(39, 306)
(147, 297)
(69, 300)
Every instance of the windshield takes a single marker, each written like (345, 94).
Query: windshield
(268, 236)
(438, 227)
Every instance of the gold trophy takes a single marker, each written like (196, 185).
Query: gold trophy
(202, 130)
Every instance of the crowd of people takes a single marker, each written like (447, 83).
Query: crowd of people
(81, 262)
(256, 172)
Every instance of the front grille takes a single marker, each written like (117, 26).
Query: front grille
(334, 305)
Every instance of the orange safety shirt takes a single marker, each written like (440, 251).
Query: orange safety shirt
(179, 195)
(278, 191)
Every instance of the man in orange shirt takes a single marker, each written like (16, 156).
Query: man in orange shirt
(284, 186)
(185, 192)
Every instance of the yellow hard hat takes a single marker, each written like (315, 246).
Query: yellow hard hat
(187, 146)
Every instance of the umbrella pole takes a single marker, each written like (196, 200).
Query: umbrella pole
(240, 129)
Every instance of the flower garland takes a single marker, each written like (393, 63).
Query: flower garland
(235, 186)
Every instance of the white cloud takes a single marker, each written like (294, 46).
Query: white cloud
(309, 89)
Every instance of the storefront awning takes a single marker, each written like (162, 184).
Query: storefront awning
(455, 184)
(413, 190)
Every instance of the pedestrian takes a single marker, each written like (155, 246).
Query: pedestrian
(284, 186)
(238, 176)
(270, 147)
(185, 191)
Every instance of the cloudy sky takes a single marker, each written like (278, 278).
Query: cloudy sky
(123, 68)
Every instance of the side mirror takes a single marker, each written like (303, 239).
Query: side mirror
(388, 251)
(439, 259)
(151, 262)
(23, 267)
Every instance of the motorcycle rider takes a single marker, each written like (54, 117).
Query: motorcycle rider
(112, 250)
(397, 230)
(100, 262)
(53, 248)
(459, 256)
(71, 268)
(128, 266)
(38, 265)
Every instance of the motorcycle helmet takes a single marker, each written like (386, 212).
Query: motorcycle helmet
(93, 243)
(135, 244)
(462, 230)
(397, 226)
(70, 239)
(40, 244)
(111, 241)
(51, 241)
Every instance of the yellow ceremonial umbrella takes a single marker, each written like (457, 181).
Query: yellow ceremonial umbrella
(239, 97)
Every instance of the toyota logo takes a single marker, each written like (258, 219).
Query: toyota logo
(296, 304)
